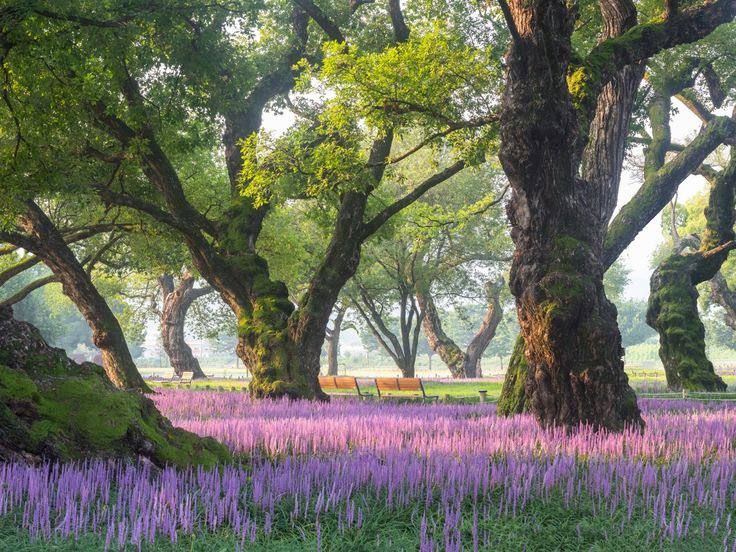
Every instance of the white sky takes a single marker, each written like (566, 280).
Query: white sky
(637, 257)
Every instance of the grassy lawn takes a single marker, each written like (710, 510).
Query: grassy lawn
(459, 390)
(446, 390)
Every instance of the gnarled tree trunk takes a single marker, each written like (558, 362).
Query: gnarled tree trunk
(462, 364)
(47, 243)
(673, 301)
(176, 302)
(723, 296)
(573, 346)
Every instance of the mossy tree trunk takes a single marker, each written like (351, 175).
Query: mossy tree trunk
(673, 301)
(177, 298)
(513, 393)
(563, 130)
(46, 242)
(281, 343)
(573, 347)
(462, 364)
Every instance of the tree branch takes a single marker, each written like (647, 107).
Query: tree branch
(642, 42)
(659, 189)
(319, 17)
(377, 221)
(27, 290)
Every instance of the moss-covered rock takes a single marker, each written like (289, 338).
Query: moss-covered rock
(53, 408)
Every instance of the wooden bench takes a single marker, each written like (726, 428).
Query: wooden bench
(341, 383)
(186, 378)
(385, 386)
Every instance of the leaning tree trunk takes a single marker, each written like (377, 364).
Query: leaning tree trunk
(333, 342)
(107, 335)
(176, 302)
(450, 353)
(723, 296)
(573, 345)
(486, 331)
(673, 301)
(462, 364)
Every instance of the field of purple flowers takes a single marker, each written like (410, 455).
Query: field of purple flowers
(355, 475)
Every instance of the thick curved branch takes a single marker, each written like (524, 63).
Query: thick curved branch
(660, 188)
(643, 41)
(155, 164)
(319, 17)
(27, 290)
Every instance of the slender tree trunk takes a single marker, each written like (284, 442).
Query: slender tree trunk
(573, 346)
(107, 335)
(176, 302)
(673, 301)
(438, 340)
(484, 335)
(333, 342)
(462, 364)
(723, 296)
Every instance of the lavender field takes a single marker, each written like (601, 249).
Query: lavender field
(363, 475)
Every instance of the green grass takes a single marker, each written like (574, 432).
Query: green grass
(451, 391)
(460, 390)
(545, 525)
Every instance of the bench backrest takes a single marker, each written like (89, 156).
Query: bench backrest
(399, 384)
(338, 382)
(186, 377)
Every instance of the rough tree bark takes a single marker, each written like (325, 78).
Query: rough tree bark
(462, 364)
(723, 296)
(46, 242)
(177, 298)
(333, 341)
(280, 343)
(563, 131)
(673, 300)
(573, 346)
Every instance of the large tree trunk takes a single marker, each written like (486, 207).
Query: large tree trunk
(462, 364)
(333, 342)
(176, 302)
(673, 301)
(573, 345)
(107, 335)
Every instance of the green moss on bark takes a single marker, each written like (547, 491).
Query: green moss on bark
(52, 408)
(513, 394)
(673, 312)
